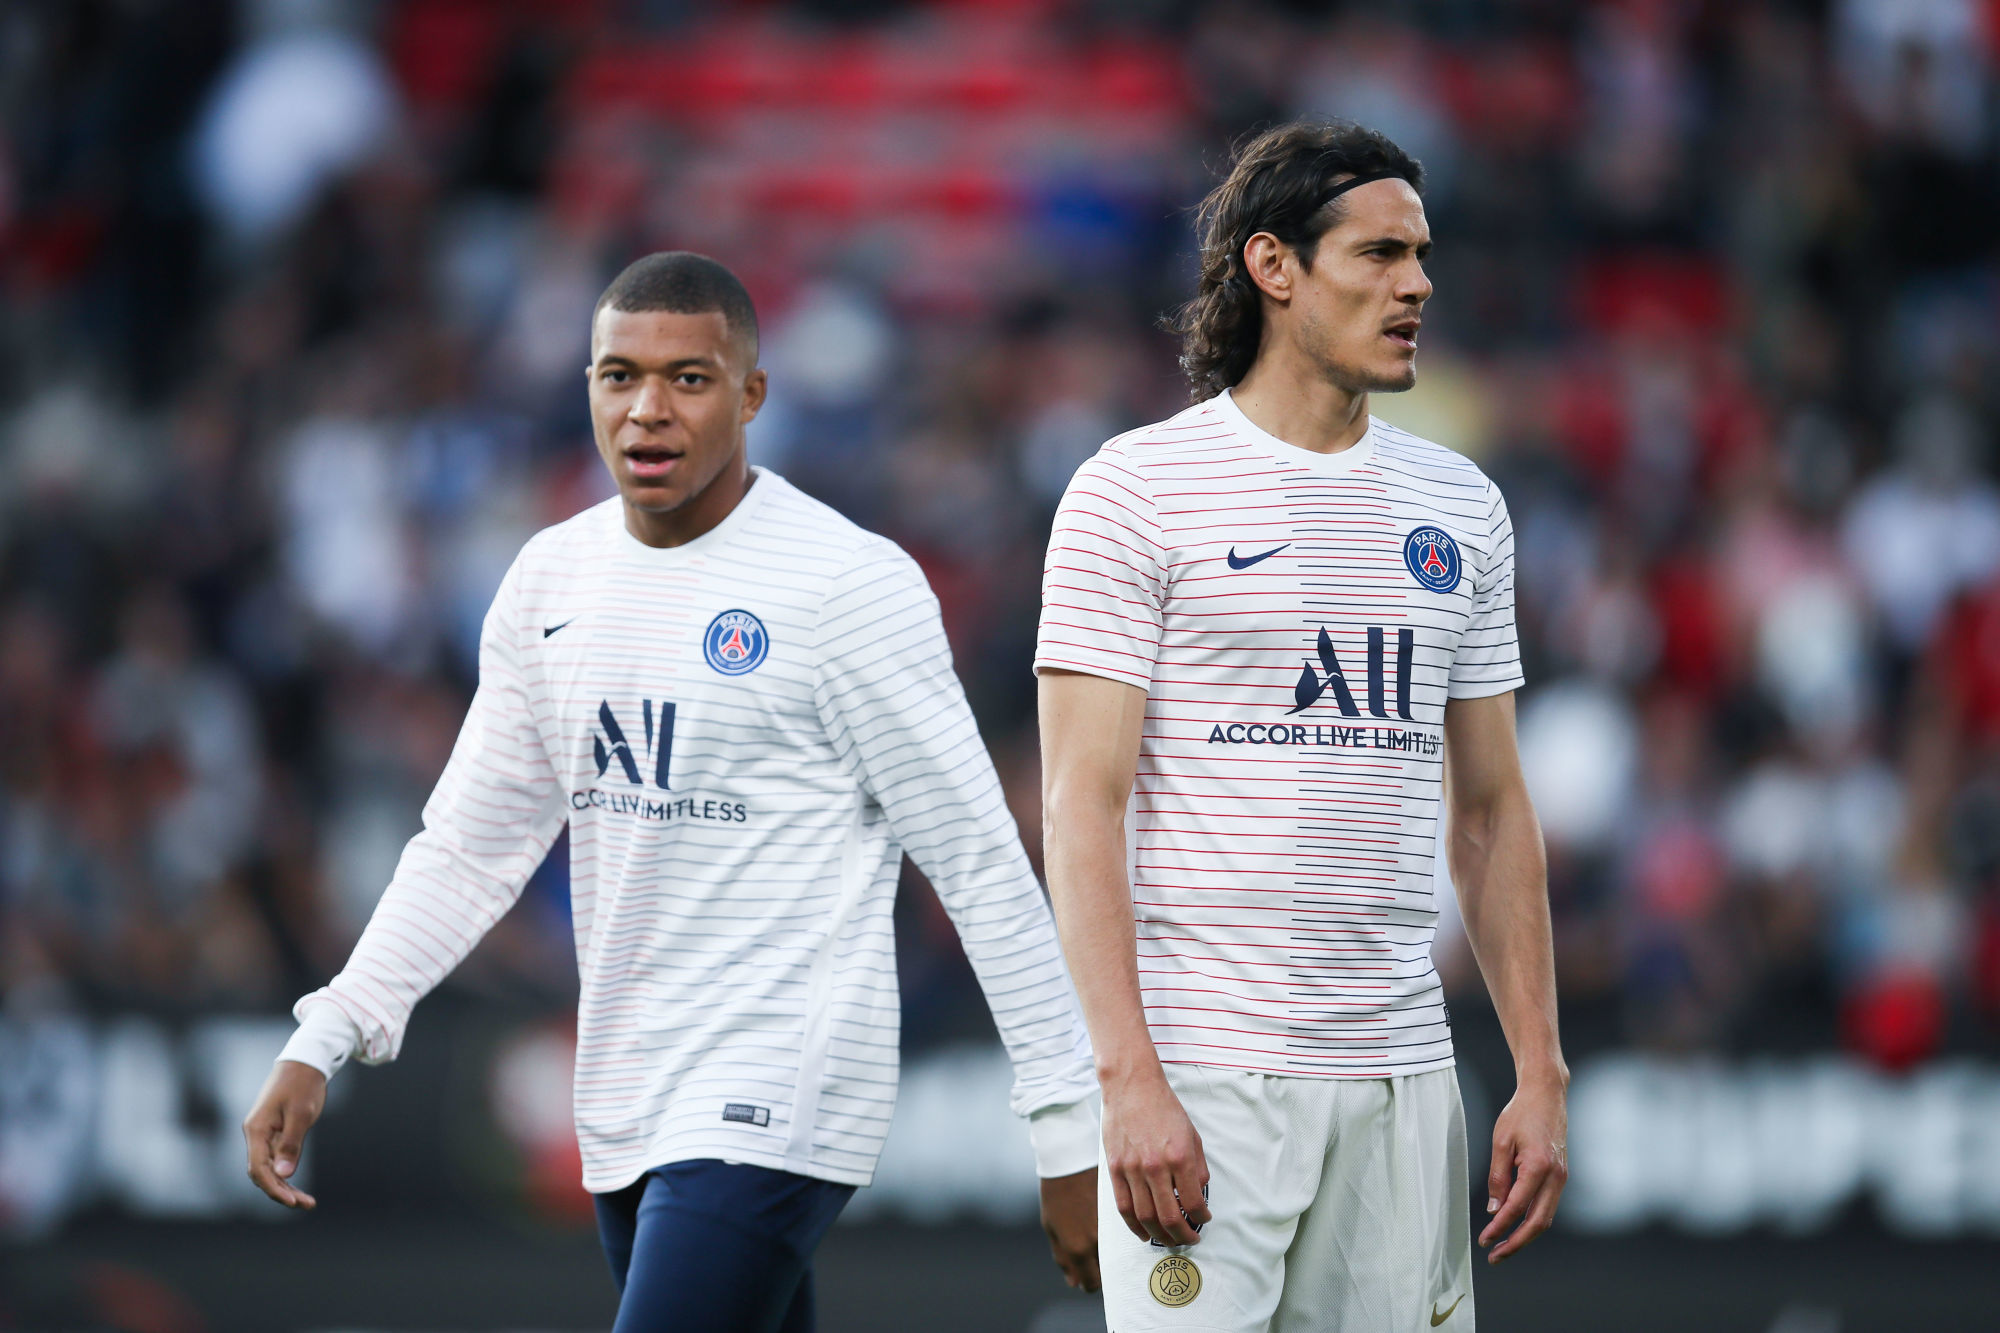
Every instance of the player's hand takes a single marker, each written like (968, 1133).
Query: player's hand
(1530, 1167)
(1069, 1219)
(1153, 1157)
(275, 1130)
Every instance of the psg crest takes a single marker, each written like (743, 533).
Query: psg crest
(1175, 1281)
(1432, 557)
(735, 643)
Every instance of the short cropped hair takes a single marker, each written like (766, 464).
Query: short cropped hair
(683, 283)
(1277, 182)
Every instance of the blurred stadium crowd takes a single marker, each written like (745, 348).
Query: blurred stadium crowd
(293, 333)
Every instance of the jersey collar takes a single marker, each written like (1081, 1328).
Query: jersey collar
(762, 485)
(1348, 459)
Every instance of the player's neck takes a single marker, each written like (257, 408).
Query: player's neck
(699, 516)
(1287, 398)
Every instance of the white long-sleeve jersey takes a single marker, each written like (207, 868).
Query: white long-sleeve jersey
(744, 732)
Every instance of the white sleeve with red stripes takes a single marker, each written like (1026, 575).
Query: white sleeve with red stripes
(487, 826)
(893, 705)
(1488, 659)
(1105, 580)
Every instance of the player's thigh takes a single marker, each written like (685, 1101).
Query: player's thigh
(1263, 1161)
(1387, 1241)
(725, 1246)
(617, 1224)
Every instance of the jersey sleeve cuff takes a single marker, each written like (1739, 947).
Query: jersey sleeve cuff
(1083, 663)
(325, 1039)
(1064, 1138)
(1483, 689)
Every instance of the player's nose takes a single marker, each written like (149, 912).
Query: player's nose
(1415, 287)
(651, 406)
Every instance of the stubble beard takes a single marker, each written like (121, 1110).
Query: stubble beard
(1352, 378)
(1357, 380)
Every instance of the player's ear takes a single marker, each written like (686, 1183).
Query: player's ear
(1264, 263)
(755, 386)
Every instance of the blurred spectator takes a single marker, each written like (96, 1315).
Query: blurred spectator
(293, 111)
(1927, 527)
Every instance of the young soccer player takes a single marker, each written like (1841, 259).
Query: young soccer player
(1277, 648)
(744, 707)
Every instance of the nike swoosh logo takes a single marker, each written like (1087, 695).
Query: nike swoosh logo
(551, 629)
(1245, 561)
(1437, 1318)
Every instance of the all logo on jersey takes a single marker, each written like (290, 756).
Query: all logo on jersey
(735, 643)
(608, 744)
(1432, 557)
(1324, 674)
(639, 749)
(1311, 688)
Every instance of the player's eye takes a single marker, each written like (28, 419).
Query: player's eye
(691, 378)
(615, 375)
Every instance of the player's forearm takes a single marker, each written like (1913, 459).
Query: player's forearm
(1090, 729)
(1501, 871)
(1003, 923)
(443, 899)
(918, 750)
(1088, 886)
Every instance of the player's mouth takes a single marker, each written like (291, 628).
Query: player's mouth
(651, 462)
(1404, 333)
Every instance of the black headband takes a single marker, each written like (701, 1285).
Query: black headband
(1354, 181)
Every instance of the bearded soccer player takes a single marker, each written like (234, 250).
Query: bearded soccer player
(744, 707)
(1277, 649)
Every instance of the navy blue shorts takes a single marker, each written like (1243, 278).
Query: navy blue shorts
(715, 1245)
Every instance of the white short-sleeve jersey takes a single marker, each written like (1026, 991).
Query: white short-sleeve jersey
(1298, 621)
(744, 733)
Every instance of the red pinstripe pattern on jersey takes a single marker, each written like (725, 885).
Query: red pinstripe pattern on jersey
(1271, 879)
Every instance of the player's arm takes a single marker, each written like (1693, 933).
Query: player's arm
(1091, 729)
(1498, 866)
(1103, 589)
(893, 705)
(488, 824)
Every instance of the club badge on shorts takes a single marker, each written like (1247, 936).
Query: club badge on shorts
(735, 643)
(1175, 1280)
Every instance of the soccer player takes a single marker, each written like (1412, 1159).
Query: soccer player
(744, 707)
(1277, 648)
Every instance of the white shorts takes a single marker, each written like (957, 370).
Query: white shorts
(1339, 1205)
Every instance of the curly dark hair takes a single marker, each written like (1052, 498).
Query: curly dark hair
(1277, 181)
